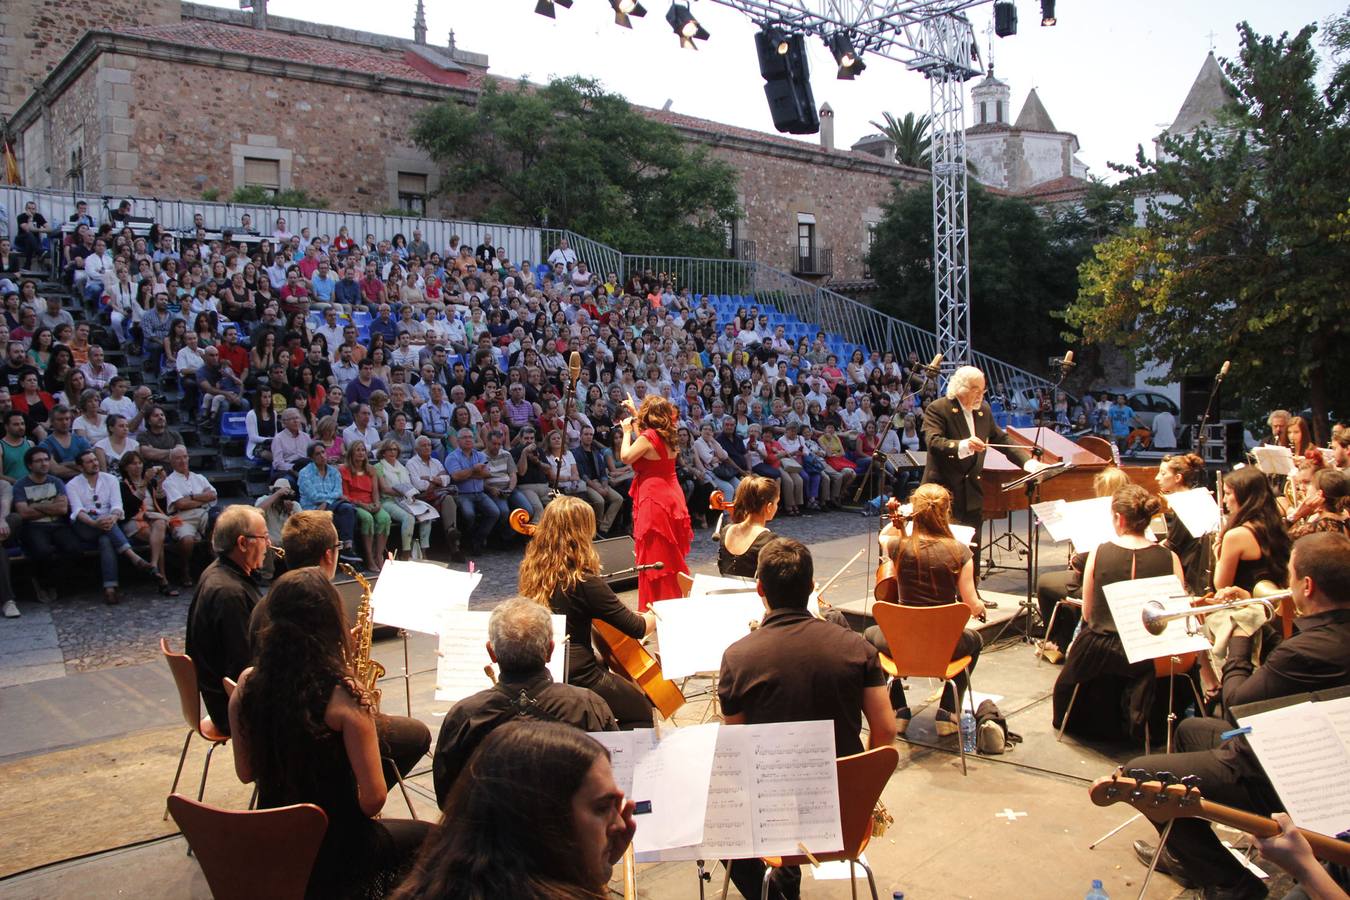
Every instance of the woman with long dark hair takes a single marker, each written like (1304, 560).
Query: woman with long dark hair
(304, 730)
(535, 814)
(1254, 545)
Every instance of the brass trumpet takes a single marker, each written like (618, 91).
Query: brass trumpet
(1156, 616)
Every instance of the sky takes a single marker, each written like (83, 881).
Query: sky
(1114, 74)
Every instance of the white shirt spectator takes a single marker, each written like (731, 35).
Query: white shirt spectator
(188, 360)
(97, 500)
(96, 268)
(332, 335)
(408, 358)
(565, 255)
(178, 487)
(345, 373)
(370, 436)
(123, 406)
(1164, 431)
(98, 378)
(111, 452)
(424, 474)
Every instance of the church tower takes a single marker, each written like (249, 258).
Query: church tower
(990, 98)
(1208, 95)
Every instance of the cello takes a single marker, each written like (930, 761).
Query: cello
(886, 589)
(623, 654)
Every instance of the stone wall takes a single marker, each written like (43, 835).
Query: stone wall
(36, 34)
(331, 141)
(844, 202)
(75, 129)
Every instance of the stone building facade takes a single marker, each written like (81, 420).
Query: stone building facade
(187, 99)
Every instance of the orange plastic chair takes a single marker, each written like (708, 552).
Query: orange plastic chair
(686, 582)
(922, 639)
(190, 701)
(862, 778)
(252, 855)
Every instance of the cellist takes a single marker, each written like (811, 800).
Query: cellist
(561, 570)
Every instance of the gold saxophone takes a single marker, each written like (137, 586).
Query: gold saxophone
(366, 670)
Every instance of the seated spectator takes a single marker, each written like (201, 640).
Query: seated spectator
(40, 499)
(360, 388)
(221, 390)
(362, 428)
(157, 439)
(91, 424)
(64, 445)
(361, 489)
(34, 402)
(115, 445)
(143, 518)
(95, 500)
(320, 488)
(189, 498)
(14, 446)
(469, 470)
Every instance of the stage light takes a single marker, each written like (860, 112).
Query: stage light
(683, 23)
(545, 7)
(777, 37)
(1005, 18)
(1047, 12)
(625, 8)
(849, 60)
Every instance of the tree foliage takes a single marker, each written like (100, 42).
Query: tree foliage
(910, 136)
(1023, 266)
(1240, 255)
(570, 155)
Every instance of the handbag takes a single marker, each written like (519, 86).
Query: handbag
(726, 471)
(813, 464)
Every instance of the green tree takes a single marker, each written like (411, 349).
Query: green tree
(910, 136)
(1240, 253)
(1023, 267)
(570, 155)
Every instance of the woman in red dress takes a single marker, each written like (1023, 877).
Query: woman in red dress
(661, 529)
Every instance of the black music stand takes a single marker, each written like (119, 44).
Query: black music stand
(1031, 483)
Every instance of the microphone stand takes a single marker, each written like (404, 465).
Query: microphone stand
(1203, 436)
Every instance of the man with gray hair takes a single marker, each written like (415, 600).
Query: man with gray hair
(520, 641)
(958, 431)
(217, 620)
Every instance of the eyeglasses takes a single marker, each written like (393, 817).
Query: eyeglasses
(258, 537)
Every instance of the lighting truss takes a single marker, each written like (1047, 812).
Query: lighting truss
(934, 38)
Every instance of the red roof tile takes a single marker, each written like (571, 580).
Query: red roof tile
(277, 45)
(1062, 188)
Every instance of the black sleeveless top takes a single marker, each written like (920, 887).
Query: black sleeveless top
(1116, 563)
(929, 570)
(745, 564)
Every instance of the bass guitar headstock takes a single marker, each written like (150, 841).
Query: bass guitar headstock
(1160, 796)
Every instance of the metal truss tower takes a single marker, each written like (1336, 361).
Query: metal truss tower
(935, 38)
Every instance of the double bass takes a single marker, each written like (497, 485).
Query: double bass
(621, 653)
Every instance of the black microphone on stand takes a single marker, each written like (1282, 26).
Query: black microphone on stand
(647, 567)
(1204, 419)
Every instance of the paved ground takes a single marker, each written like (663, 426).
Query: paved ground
(97, 742)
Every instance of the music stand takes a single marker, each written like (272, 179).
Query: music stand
(1031, 483)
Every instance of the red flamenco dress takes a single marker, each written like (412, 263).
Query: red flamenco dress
(661, 528)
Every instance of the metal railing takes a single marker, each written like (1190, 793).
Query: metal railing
(817, 261)
(742, 249)
(520, 243)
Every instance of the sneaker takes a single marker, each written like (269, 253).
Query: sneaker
(11, 609)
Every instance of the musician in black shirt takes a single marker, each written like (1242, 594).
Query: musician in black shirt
(520, 640)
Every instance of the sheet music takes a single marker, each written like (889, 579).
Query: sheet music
(694, 632)
(462, 653)
(772, 786)
(1304, 750)
(1196, 509)
(1274, 460)
(414, 595)
(675, 779)
(1127, 599)
(723, 584)
(1087, 523)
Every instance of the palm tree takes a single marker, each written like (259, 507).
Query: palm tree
(910, 136)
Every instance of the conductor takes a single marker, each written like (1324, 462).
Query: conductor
(958, 430)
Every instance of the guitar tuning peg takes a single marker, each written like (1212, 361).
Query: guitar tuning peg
(1137, 774)
(1166, 778)
(1191, 781)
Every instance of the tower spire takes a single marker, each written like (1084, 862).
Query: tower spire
(420, 24)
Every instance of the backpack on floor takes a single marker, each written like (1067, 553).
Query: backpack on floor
(992, 736)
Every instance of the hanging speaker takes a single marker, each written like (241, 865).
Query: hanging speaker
(1005, 18)
(787, 82)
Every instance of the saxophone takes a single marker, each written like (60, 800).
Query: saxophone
(365, 670)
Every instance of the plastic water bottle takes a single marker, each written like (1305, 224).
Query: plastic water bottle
(968, 732)
(897, 895)
(1097, 893)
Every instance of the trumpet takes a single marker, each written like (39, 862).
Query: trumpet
(1156, 616)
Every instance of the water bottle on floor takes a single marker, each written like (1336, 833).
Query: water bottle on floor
(968, 732)
(1097, 893)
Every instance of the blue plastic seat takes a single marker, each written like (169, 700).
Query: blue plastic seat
(233, 425)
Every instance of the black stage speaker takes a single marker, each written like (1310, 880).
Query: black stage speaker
(617, 553)
(1005, 18)
(1195, 395)
(787, 83)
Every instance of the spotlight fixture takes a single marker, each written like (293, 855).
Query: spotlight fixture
(625, 8)
(545, 7)
(683, 23)
(1005, 18)
(849, 60)
(1047, 13)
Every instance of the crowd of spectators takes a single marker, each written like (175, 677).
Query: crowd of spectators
(402, 386)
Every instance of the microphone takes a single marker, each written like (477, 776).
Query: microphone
(657, 566)
(574, 364)
(1223, 372)
(933, 367)
(1067, 362)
